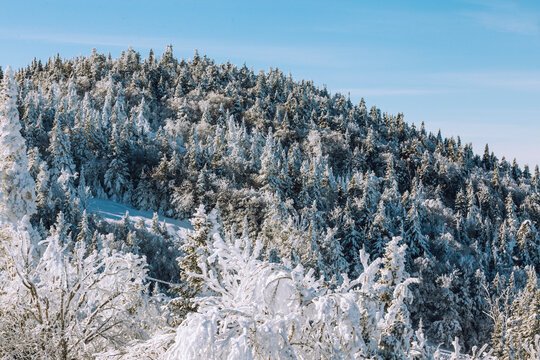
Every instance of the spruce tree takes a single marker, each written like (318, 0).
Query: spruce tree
(195, 252)
(17, 194)
(524, 320)
(413, 237)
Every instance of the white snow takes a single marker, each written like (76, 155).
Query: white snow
(114, 212)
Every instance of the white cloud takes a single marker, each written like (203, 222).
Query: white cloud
(82, 39)
(512, 80)
(448, 82)
(267, 53)
(388, 91)
(518, 24)
(507, 16)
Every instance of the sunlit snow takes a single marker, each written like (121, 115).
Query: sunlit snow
(114, 212)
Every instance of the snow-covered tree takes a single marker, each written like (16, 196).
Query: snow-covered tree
(259, 309)
(64, 305)
(117, 177)
(17, 194)
(195, 251)
(523, 324)
(413, 236)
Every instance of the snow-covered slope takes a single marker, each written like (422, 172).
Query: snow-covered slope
(114, 212)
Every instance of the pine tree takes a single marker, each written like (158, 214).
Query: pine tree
(486, 159)
(413, 237)
(83, 230)
(524, 319)
(370, 198)
(155, 228)
(44, 200)
(61, 230)
(269, 172)
(141, 118)
(61, 158)
(117, 178)
(392, 199)
(529, 243)
(331, 261)
(536, 179)
(393, 269)
(507, 232)
(195, 251)
(516, 171)
(144, 197)
(495, 180)
(461, 203)
(194, 152)
(378, 234)
(352, 239)
(396, 337)
(17, 195)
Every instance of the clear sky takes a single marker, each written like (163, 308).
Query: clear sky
(470, 68)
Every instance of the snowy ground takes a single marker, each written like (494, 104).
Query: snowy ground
(114, 212)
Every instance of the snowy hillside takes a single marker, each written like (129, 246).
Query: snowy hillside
(318, 228)
(115, 212)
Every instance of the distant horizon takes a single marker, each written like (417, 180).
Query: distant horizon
(466, 67)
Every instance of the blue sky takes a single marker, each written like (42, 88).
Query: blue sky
(470, 68)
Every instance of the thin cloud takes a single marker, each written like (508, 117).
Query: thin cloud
(508, 17)
(418, 84)
(513, 80)
(288, 55)
(517, 23)
(388, 91)
(84, 39)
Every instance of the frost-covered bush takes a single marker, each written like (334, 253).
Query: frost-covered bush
(262, 310)
(57, 303)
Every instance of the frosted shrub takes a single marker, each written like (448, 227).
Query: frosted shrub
(262, 310)
(67, 304)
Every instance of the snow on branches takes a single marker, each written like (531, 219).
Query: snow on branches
(63, 304)
(260, 310)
